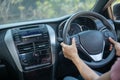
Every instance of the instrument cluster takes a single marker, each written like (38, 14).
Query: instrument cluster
(77, 26)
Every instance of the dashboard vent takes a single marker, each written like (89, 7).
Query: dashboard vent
(26, 48)
(17, 38)
(39, 46)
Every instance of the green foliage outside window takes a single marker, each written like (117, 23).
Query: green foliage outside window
(24, 10)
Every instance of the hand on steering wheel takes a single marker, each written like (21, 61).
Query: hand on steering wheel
(116, 45)
(70, 51)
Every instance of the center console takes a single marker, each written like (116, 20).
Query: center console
(33, 46)
(32, 49)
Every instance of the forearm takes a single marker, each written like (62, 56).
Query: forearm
(86, 72)
(105, 76)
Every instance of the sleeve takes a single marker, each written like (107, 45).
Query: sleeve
(115, 70)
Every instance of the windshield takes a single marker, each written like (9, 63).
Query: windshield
(12, 11)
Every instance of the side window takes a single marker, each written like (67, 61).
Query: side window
(116, 9)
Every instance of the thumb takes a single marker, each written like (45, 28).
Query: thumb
(112, 41)
(63, 44)
(73, 42)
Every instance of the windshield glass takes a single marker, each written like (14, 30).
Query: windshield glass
(24, 10)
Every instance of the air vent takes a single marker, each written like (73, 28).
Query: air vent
(26, 48)
(17, 38)
(39, 46)
(29, 27)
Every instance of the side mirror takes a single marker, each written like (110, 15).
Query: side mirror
(116, 11)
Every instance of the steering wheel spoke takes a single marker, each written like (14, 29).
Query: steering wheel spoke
(97, 57)
(107, 33)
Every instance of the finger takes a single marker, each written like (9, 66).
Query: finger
(63, 45)
(73, 42)
(111, 47)
(112, 41)
(63, 49)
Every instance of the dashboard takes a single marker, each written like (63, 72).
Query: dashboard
(33, 51)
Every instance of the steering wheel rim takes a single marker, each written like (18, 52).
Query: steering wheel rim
(104, 21)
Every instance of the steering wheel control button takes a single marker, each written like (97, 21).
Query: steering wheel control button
(108, 34)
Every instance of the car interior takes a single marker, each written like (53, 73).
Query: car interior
(31, 50)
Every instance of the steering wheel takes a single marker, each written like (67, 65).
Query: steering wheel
(92, 42)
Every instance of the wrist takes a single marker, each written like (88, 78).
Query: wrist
(75, 59)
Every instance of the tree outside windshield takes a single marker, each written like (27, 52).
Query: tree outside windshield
(24, 10)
